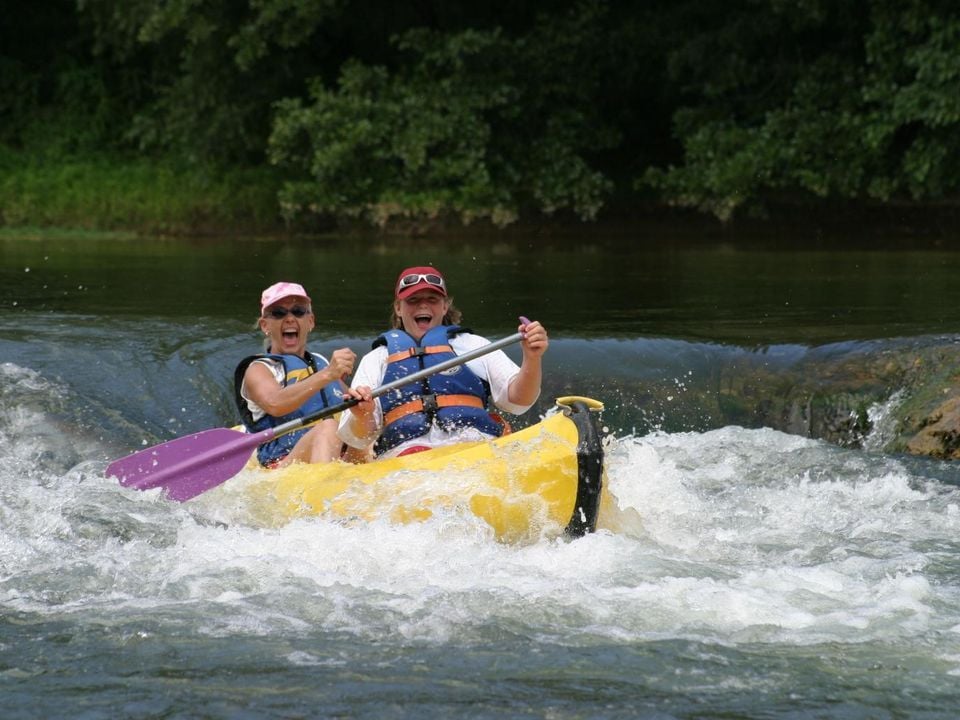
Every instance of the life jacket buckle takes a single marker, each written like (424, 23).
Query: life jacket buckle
(430, 403)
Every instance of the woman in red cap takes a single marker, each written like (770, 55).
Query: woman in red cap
(449, 407)
(288, 382)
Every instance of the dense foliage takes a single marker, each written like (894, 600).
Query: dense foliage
(444, 108)
(832, 98)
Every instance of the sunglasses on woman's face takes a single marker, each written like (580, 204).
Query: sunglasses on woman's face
(279, 313)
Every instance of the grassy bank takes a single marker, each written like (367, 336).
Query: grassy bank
(134, 194)
(137, 195)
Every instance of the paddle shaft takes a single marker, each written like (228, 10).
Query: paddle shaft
(294, 425)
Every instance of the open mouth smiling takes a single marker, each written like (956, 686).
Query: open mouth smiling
(423, 319)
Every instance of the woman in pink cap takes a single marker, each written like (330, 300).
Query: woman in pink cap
(449, 407)
(288, 382)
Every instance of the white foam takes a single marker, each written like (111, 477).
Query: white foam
(733, 535)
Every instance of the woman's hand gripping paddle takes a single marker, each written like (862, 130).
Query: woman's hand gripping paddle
(191, 465)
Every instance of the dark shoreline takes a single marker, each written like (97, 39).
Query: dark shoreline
(793, 226)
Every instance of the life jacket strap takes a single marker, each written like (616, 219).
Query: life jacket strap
(499, 419)
(418, 351)
(429, 403)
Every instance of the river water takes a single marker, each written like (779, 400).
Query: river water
(739, 572)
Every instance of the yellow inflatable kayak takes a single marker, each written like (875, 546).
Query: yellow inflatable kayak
(543, 479)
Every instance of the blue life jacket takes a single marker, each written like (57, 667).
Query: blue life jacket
(295, 368)
(452, 399)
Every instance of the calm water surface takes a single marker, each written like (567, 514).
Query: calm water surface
(739, 572)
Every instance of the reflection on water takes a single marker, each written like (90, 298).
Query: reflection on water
(589, 286)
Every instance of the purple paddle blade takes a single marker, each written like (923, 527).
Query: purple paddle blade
(190, 465)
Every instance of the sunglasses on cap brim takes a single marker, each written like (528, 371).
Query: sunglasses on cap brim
(415, 279)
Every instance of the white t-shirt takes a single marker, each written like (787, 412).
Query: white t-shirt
(496, 368)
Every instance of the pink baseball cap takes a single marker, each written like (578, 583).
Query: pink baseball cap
(279, 291)
(422, 277)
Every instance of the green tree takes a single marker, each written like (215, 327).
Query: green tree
(478, 124)
(210, 70)
(820, 99)
(54, 95)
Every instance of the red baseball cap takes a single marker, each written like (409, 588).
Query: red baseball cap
(422, 277)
